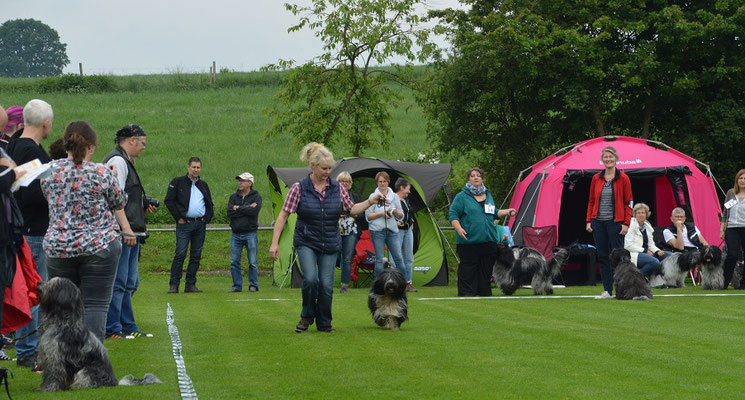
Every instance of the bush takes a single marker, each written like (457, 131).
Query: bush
(72, 83)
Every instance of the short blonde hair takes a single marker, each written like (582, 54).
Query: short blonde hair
(639, 206)
(344, 176)
(315, 153)
(609, 149)
(384, 175)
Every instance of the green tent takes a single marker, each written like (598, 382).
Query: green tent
(430, 263)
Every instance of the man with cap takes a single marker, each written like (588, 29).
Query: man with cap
(130, 141)
(243, 211)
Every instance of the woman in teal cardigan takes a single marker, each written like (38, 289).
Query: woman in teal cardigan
(473, 215)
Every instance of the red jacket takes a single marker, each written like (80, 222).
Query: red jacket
(621, 195)
(21, 296)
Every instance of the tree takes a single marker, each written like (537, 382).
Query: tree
(340, 94)
(527, 77)
(30, 48)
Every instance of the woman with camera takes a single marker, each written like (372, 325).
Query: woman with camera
(383, 218)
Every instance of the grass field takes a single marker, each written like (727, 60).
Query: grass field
(237, 346)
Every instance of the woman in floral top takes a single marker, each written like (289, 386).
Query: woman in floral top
(86, 209)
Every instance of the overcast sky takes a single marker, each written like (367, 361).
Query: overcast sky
(160, 36)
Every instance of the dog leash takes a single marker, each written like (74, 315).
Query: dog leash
(4, 378)
(22, 337)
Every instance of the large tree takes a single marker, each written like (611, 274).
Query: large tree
(340, 95)
(528, 76)
(30, 48)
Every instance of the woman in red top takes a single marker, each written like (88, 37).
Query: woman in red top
(609, 213)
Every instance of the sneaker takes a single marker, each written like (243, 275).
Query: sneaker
(253, 289)
(5, 357)
(6, 341)
(29, 361)
(604, 295)
(410, 288)
(235, 290)
(138, 334)
(173, 289)
(303, 325)
(328, 330)
(116, 335)
(192, 289)
(343, 289)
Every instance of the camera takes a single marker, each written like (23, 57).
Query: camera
(150, 201)
(381, 202)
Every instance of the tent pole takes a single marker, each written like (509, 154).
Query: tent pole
(442, 235)
(289, 269)
(508, 193)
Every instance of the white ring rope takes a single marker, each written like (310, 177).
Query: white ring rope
(184, 382)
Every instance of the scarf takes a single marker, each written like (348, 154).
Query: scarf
(476, 191)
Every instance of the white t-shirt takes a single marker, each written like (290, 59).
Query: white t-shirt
(686, 242)
(121, 170)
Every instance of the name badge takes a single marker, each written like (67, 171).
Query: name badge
(489, 208)
(730, 203)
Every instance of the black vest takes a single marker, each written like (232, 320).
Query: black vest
(317, 224)
(692, 236)
(135, 207)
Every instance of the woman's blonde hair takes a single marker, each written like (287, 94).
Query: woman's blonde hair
(315, 153)
(384, 175)
(344, 176)
(642, 206)
(609, 149)
(737, 176)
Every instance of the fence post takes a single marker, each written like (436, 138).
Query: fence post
(81, 68)
(214, 73)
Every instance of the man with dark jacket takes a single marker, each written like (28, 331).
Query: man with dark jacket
(130, 142)
(37, 120)
(243, 210)
(190, 203)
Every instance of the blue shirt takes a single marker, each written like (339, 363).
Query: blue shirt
(196, 203)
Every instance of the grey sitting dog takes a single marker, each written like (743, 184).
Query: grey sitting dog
(629, 281)
(69, 355)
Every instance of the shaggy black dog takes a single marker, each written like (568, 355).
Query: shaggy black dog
(69, 355)
(674, 269)
(526, 266)
(387, 299)
(737, 275)
(712, 268)
(629, 281)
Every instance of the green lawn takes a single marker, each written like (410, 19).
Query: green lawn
(236, 346)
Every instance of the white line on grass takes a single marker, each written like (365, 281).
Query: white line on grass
(578, 297)
(184, 382)
(260, 300)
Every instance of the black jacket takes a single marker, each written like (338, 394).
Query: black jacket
(135, 207)
(31, 200)
(246, 218)
(6, 197)
(179, 194)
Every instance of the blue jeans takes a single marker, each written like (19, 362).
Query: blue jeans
(348, 243)
(406, 236)
(121, 317)
(318, 284)
(191, 232)
(650, 264)
(382, 238)
(607, 237)
(94, 275)
(237, 242)
(27, 346)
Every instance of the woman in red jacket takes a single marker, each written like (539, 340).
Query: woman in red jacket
(608, 213)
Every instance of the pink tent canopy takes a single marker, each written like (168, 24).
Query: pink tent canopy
(552, 191)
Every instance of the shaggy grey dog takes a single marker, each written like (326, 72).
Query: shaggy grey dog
(524, 265)
(737, 275)
(712, 268)
(387, 300)
(69, 355)
(629, 281)
(673, 269)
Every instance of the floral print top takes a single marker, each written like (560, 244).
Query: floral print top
(81, 199)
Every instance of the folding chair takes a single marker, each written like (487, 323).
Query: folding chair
(543, 239)
(363, 261)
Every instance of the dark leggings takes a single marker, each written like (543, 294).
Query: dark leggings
(735, 239)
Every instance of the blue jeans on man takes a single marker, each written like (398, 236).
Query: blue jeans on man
(120, 317)
(406, 236)
(26, 346)
(318, 285)
(193, 233)
(650, 264)
(382, 238)
(348, 244)
(607, 235)
(237, 242)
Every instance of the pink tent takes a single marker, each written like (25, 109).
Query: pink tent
(554, 191)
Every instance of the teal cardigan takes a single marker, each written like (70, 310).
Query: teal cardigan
(479, 225)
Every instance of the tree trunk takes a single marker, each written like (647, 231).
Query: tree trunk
(648, 107)
(598, 117)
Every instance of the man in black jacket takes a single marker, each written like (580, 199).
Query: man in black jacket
(189, 201)
(37, 120)
(243, 210)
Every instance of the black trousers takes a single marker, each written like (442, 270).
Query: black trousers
(475, 269)
(735, 239)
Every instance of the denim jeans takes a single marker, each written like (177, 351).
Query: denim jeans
(348, 244)
(191, 232)
(318, 284)
(382, 238)
(237, 242)
(406, 236)
(27, 346)
(650, 264)
(607, 237)
(94, 276)
(121, 317)
(735, 239)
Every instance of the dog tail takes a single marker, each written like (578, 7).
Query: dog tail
(130, 380)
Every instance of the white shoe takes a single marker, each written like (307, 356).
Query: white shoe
(604, 295)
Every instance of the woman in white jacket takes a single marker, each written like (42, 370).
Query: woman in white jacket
(639, 241)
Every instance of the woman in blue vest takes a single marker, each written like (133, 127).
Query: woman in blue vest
(318, 202)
